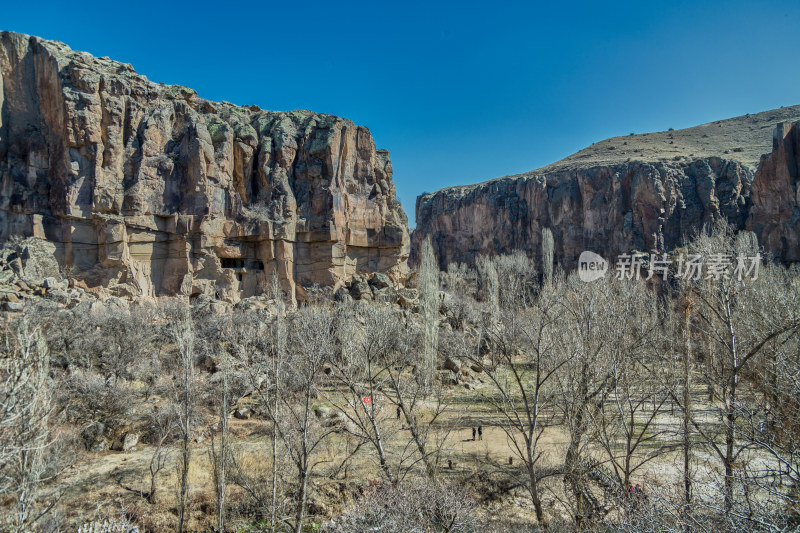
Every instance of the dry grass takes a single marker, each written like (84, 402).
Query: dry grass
(105, 483)
(744, 139)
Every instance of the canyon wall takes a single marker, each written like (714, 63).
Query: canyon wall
(606, 209)
(775, 215)
(147, 190)
(613, 204)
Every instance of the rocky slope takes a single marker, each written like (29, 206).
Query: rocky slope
(148, 190)
(648, 192)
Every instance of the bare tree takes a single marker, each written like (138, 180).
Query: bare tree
(739, 316)
(124, 339)
(625, 422)
(519, 279)
(429, 289)
(460, 279)
(422, 409)
(180, 330)
(426, 430)
(162, 425)
(489, 284)
(257, 343)
(378, 395)
(523, 392)
(97, 405)
(311, 339)
(680, 326)
(220, 456)
(367, 339)
(582, 382)
(25, 431)
(770, 422)
(226, 344)
(427, 506)
(547, 254)
(281, 340)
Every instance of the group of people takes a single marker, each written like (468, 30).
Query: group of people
(479, 433)
(636, 490)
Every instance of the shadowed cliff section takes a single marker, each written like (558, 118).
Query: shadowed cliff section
(148, 190)
(649, 192)
(775, 215)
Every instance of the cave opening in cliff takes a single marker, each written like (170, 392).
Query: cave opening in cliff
(232, 262)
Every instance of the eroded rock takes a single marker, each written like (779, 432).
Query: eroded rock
(608, 209)
(653, 195)
(147, 190)
(775, 215)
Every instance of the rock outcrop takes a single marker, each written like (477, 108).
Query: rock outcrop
(626, 194)
(148, 190)
(29, 272)
(775, 215)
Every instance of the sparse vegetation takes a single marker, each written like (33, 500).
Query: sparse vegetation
(542, 403)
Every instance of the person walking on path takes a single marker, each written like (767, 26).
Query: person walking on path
(398, 412)
(473, 433)
(480, 432)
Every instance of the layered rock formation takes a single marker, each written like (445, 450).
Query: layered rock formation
(148, 190)
(649, 193)
(775, 215)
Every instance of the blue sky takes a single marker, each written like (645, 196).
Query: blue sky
(458, 92)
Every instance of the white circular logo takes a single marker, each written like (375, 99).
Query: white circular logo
(591, 266)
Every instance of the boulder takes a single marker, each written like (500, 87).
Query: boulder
(14, 307)
(406, 297)
(453, 366)
(380, 280)
(219, 308)
(38, 259)
(130, 441)
(322, 411)
(58, 295)
(385, 294)
(360, 289)
(52, 283)
(11, 297)
(342, 295)
(242, 413)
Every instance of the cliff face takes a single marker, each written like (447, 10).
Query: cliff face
(775, 215)
(649, 193)
(606, 209)
(148, 190)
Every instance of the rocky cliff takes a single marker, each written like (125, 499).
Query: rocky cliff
(650, 192)
(148, 190)
(775, 215)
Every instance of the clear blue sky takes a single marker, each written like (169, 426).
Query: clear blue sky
(458, 92)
